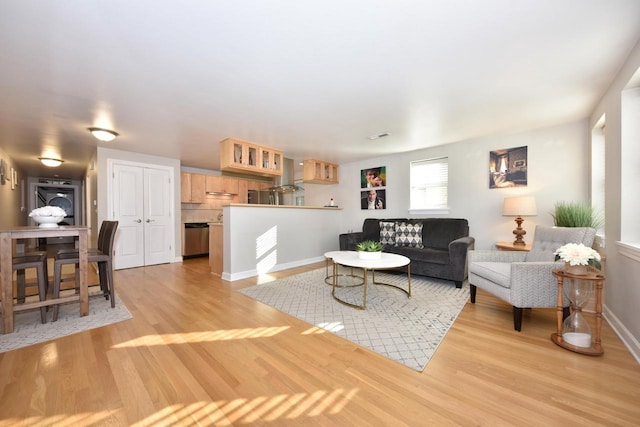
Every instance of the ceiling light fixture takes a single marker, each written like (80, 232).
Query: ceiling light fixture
(378, 136)
(105, 135)
(50, 162)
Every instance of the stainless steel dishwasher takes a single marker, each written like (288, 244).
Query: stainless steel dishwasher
(196, 239)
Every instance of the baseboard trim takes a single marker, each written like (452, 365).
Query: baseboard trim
(623, 333)
(254, 272)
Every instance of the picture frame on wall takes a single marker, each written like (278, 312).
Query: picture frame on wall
(373, 177)
(508, 168)
(373, 198)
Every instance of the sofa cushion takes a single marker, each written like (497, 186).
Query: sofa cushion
(432, 256)
(409, 235)
(388, 233)
(438, 233)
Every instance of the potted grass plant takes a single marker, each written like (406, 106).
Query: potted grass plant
(369, 249)
(576, 214)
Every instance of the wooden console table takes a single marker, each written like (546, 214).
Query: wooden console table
(6, 274)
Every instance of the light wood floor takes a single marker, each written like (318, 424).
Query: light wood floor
(196, 352)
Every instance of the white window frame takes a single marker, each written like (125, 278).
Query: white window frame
(421, 188)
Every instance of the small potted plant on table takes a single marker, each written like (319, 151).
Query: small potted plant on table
(369, 249)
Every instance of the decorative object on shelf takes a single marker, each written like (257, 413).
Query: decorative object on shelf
(575, 329)
(579, 259)
(105, 135)
(519, 207)
(576, 214)
(47, 216)
(369, 249)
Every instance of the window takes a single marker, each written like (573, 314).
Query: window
(598, 172)
(429, 182)
(629, 244)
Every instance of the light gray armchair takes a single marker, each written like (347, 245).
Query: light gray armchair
(523, 279)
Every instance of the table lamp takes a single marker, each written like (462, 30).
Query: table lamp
(519, 207)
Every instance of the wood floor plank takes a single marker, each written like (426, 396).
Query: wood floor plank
(197, 352)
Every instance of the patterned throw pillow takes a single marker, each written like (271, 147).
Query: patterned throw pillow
(387, 233)
(409, 235)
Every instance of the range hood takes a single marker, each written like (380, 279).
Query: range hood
(284, 183)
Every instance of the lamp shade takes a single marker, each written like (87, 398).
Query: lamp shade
(519, 206)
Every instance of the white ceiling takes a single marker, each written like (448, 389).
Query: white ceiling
(312, 78)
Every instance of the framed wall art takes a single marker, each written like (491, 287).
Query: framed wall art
(508, 168)
(373, 177)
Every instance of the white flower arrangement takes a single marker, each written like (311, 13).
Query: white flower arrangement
(578, 254)
(48, 211)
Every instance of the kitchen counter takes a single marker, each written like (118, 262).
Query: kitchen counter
(247, 205)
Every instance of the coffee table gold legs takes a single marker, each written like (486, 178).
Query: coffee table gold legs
(406, 291)
(364, 293)
(328, 278)
(364, 287)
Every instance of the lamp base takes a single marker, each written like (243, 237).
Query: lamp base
(519, 232)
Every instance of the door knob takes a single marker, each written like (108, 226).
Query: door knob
(137, 220)
(150, 220)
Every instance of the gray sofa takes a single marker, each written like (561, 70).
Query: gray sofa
(437, 247)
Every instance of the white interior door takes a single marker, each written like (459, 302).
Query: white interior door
(142, 205)
(157, 213)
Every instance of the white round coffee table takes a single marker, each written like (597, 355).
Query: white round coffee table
(385, 262)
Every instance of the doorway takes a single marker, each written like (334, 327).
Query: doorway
(142, 203)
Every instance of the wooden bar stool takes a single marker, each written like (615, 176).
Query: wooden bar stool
(37, 260)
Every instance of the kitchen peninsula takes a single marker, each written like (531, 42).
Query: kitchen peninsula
(264, 238)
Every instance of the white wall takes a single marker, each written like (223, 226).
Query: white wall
(106, 153)
(622, 288)
(557, 170)
(271, 238)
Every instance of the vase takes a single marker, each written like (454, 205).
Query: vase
(369, 255)
(578, 270)
(47, 221)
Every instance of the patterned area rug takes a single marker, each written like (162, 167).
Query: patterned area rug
(29, 330)
(407, 330)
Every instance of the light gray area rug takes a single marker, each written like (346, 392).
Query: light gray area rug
(29, 330)
(407, 330)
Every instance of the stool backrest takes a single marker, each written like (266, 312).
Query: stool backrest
(107, 236)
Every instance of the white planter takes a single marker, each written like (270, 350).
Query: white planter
(47, 221)
(369, 255)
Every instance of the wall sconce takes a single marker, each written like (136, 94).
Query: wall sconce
(519, 207)
(105, 135)
(50, 162)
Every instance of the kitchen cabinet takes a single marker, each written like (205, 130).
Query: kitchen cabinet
(319, 172)
(215, 249)
(221, 184)
(192, 188)
(247, 157)
(243, 191)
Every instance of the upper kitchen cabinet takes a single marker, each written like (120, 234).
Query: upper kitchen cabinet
(249, 158)
(319, 172)
(221, 184)
(192, 188)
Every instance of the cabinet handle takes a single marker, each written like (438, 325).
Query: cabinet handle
(137, 220)
(150, 220)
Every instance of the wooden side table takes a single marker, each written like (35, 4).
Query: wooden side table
(509, 246)
(596, 346)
